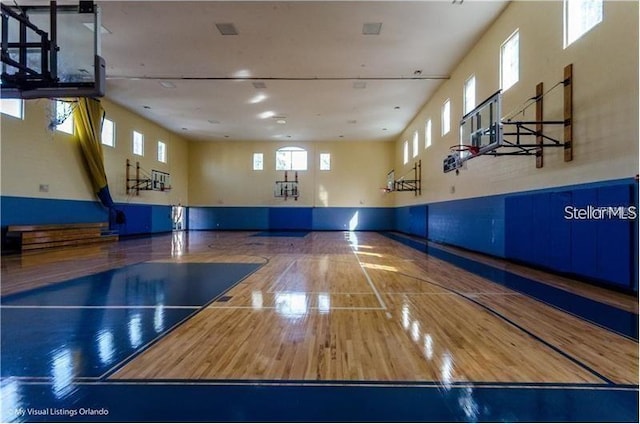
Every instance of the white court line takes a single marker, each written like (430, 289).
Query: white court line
(339, 308)
(366, 274)
(282, 274)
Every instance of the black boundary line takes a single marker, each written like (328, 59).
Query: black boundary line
(524, 330)
(611, 330)
(346, 383)
(160, 336)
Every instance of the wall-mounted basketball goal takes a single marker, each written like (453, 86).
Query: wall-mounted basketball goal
(287, 188)
(484, 131)
(51, 51)
(142, 180)
(406, 183)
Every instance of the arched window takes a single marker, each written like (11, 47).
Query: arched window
(291, 159)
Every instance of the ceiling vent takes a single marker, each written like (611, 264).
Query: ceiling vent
(371, 28)
(227, 29)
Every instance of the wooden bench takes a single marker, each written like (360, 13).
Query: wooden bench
(58, 235)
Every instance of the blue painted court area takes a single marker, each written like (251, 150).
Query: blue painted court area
(323, 402)
(84, 327)
(281, 234)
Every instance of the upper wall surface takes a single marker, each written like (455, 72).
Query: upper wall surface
(605, 104)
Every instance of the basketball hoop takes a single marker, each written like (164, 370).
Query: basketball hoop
(465, 148)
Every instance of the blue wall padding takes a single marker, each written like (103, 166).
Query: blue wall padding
(614, 238)
(138, 219)
(584, 250)
(539, 233)
(35, 211)
(412, 220)
(228, 218)
(299, 218)
(475, 224)
(161, 219)
(343, 219)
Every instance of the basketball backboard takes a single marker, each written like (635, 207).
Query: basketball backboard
(481, 128)
(51, 51)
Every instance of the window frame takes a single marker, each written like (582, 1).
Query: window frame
(66, 126)
(505, 85)
(446, 113)
(466, 105)
(113, 133)
(567, 19)
(164, 149)
(141, 143)
(9, 111)
(428, 126)
(291, 150)
(258, 165)
(325, 165)
(405, 152)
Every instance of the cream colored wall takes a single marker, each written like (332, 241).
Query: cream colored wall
(605, 101)
(221, 174)
(32, 155)
(115, 158)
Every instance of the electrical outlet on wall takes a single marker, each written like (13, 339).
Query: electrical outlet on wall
(44, 188)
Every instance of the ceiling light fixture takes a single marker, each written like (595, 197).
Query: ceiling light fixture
(281, 121)
(371, 28)
(267, 114)
(258, 98)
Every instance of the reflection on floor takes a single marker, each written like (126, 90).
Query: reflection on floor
(322, 327)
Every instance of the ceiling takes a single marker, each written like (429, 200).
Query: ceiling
(322, 77)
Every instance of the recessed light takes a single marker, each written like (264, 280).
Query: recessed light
(371, 28)
(184, 129)
(281, 121)
(267, 114)
(359, 85)
(167, 84)
(397, 107)
(384, 129)
(227, 29)
(146, 107)
(258, 98)
(417, 72)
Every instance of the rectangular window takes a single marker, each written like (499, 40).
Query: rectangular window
(446, 117)
(162, 152)
(138, 143)
(258, 162)
(64, 116)
(469, 94)
(405, 152)
(416, 143)
(325, 161)
(510, 61)
(291, 159)
(12, 107)
(108, 135)
(427, 134)
(579, 17)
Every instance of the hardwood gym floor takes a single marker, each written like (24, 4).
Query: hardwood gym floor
(346, 309)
